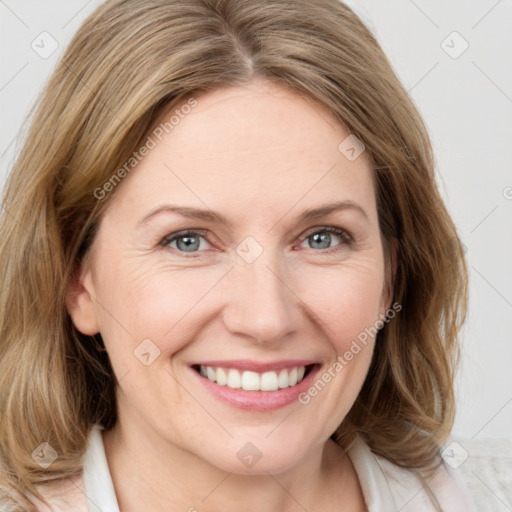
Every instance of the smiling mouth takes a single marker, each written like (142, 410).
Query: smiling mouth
(254, 381)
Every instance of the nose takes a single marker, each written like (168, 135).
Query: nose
(261, 303)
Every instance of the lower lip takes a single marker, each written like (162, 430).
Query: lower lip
(258, 401)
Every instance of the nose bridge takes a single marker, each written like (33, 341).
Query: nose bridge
(260, 301)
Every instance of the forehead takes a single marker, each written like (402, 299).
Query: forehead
(258, 146)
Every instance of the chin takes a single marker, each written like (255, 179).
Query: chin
(259, 454)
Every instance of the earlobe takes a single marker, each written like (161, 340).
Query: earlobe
(80, 304)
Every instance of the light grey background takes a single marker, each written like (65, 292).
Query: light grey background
(466, 101)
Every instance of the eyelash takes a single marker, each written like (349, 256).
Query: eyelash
(346, 239)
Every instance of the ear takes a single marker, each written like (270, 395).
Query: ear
(79, 301)
(387, 295)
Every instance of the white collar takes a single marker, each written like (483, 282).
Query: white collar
(97, 480)
(374, 484)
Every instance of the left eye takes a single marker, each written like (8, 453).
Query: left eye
(321, 238)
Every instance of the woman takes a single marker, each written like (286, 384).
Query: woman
(229, 278)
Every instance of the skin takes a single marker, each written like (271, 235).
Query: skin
(260, 155)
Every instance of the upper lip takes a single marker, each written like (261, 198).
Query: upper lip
(257, 366)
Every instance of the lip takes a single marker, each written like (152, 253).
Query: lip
(258, 401)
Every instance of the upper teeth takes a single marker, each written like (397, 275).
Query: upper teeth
(252, 381)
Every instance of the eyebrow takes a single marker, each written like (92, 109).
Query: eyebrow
(215, 217)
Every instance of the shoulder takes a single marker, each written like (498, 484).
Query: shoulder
(65, 495)
(446, 485)
(405, 488)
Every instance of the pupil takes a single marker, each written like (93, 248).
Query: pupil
(190, 244)
(324, 237)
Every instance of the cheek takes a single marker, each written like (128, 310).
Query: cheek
(156, 303)
(346, 300)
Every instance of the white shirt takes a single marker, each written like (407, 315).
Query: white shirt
(386, 487)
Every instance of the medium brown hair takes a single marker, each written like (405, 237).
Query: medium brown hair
(131, 61)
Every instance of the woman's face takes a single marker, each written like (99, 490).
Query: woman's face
(269, 293)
